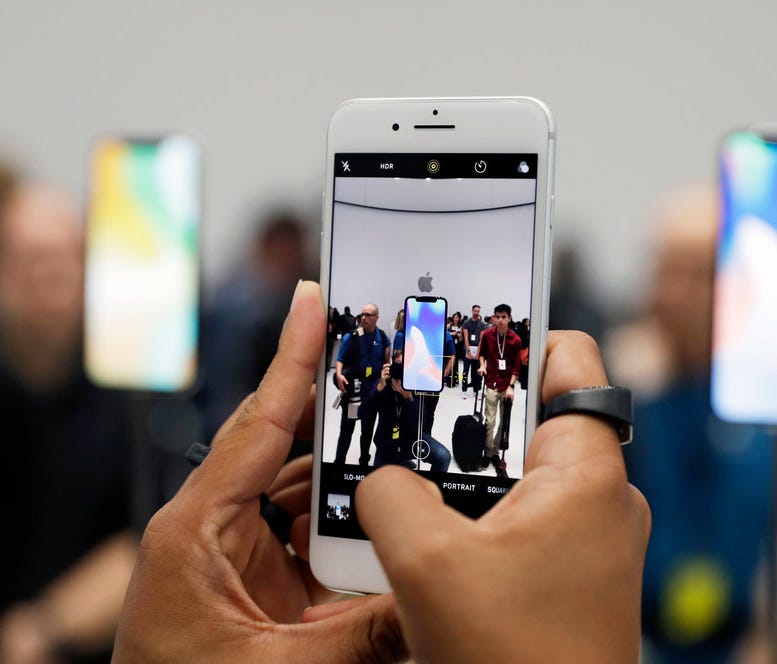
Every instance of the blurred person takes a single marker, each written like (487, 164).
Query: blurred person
(458, 341)
(522, 329)
(243, 319)
(396, 432)
(708, 483)
(430, 400)
(572, 306)
(332, 325)
(499, 356)
(348, 323)
(358, 367)
(398, 339)
(68, 548)
(471, 329)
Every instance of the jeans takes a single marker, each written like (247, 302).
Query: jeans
(439, 456)
(471, 367)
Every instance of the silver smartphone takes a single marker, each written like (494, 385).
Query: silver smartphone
(428, 201)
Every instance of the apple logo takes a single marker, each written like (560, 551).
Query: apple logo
(425, 283)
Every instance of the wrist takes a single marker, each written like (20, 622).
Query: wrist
(26, 623)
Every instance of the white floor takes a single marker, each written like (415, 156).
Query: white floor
(451, 405)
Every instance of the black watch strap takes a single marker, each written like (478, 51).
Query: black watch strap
(277, 518)
(611, 403)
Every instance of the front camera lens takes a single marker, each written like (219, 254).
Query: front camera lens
(395, 127)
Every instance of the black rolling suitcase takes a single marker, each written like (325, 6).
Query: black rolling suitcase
(504, 443)
(469, 438)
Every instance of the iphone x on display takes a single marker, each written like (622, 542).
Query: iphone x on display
(142, 263)
(744, 362)
(424, 340)
(431, 207)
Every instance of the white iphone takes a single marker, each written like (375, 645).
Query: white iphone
(437, 212)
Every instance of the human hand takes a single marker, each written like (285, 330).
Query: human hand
(481, 371)
(396, 385)
(342, 382)
(212, 582)
(24, 638)
(552, 573)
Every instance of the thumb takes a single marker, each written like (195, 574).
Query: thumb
(406, 520)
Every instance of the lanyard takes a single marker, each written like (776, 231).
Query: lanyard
(501, 348)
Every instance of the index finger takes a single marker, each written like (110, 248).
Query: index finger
(248, 456)
(573, 362)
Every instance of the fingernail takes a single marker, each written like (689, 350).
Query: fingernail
(296, 292)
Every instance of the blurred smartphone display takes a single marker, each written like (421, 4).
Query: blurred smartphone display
(744, 356)
(142, 263)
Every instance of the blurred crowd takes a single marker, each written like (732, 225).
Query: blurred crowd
(83, 468)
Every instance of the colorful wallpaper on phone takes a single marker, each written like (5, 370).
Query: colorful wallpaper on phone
(424, 341)
(142, 264)
(744, 379)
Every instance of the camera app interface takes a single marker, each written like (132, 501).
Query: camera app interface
(429, 331)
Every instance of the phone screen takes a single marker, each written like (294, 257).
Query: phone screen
(744, 363)
(411, 235)
(142, 264)
(424, 338)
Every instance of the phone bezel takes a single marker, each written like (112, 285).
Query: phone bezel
(482, 124)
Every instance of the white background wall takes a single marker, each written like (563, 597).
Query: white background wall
(641, 92)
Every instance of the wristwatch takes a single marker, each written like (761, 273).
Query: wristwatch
(610, 403)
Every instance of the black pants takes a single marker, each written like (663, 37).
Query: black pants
(471, 366)
(346, 432)
(428, 404)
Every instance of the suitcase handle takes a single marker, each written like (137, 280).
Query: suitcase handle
(482, 399)
(507, 409)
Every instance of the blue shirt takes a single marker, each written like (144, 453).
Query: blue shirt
(372, 354)
(708, 485)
